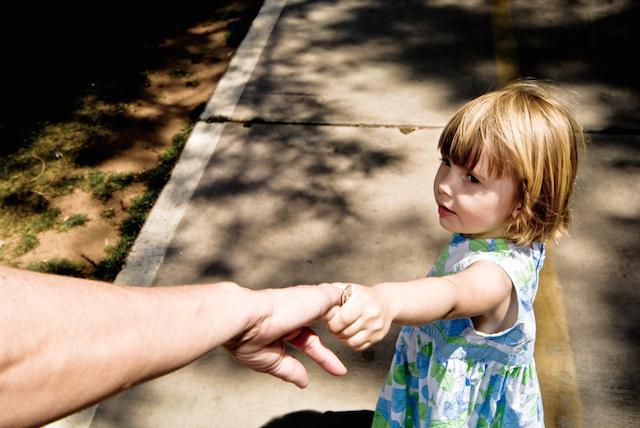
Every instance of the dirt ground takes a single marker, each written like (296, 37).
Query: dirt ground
(170, 97)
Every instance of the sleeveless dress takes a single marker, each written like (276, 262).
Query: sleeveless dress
(447, 374)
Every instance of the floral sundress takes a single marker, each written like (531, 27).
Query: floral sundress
(447, 374)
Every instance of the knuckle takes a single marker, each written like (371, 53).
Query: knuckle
(333, 328)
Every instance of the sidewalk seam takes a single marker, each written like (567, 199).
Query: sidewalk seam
(261, 121)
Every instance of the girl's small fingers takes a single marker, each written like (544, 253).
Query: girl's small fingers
(353, 328)
(337, 323)
(363, 347)
(332, 312)
(358, 340)
(343, 318)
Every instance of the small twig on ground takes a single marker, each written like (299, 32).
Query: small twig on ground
(44, 167)
(87, 258)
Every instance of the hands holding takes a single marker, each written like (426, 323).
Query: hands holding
(287, 312)
(364, 319)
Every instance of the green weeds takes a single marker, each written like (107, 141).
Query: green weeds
(73, 221)
(102, 185)
(58, 267)
(27, 243)
(156, 178)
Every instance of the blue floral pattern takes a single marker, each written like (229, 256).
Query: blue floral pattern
(447, 374)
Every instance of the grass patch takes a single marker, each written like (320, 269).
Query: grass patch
(102, 185)
(108, 213)
(58, 267)
(65, 184)
(43, 169)
(72, 221)
(156, 178)
(44, 221)
(27, 243)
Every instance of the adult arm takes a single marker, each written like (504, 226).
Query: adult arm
(66, 343)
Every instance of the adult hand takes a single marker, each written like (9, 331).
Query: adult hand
(286, 315)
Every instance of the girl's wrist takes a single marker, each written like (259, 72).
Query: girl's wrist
(387, 293)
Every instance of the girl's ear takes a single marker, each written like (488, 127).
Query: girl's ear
(516, 210)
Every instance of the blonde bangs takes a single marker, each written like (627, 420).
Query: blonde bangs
(475, 131)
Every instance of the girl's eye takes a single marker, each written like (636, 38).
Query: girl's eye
(472, 179)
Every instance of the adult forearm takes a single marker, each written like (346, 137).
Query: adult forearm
(67, 343)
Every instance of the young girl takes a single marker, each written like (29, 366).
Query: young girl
(465, 357)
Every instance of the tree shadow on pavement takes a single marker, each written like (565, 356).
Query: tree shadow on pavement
(582, 48)
(599, 261)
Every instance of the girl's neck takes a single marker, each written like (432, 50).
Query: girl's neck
(491, 234)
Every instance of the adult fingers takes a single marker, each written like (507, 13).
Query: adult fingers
(309, 343)
(298, 306)
(291, 370)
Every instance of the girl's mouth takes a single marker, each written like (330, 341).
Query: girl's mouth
(444, 211)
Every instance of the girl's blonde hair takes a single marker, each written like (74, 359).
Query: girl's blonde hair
(527, 134)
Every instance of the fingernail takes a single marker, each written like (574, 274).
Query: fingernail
(346, 294)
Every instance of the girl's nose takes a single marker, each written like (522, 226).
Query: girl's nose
(444, 181)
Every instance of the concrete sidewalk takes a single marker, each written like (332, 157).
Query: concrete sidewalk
(314, 162)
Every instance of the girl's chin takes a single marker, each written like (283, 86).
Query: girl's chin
(446, 225)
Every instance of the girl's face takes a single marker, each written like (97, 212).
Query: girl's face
(473, 202)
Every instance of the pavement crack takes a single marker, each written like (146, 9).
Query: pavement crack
(405, 128)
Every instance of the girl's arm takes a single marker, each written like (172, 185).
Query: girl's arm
(367, 316)
(66, 343)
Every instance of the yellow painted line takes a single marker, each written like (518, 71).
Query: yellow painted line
(506, 50)
(553, 354)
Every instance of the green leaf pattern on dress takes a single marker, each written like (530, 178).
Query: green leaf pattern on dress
(447, 374)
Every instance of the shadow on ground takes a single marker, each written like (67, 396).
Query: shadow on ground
(313, 419)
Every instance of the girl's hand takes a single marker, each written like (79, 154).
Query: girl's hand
(363, 320)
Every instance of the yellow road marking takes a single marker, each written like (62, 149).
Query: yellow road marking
(504, 42)
(554, 356)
